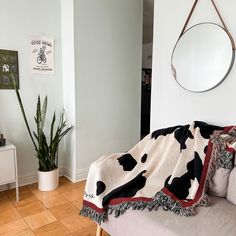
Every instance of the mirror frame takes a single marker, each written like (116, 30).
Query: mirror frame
(227, 72)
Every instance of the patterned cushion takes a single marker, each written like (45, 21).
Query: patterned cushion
(224, 165)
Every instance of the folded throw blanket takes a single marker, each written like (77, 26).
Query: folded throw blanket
(170, 167)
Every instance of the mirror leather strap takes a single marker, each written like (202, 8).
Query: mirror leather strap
(218, 13)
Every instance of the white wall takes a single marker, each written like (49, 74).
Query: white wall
(68, 75)
(98, 77)
(170, 103)
(108, 52)
(19, 20)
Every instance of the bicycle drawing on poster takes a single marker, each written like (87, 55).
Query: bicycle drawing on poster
(42, 55)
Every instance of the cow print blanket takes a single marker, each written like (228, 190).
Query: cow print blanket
(170, 167)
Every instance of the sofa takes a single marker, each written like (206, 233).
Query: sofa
(219, 219)
(183, 168)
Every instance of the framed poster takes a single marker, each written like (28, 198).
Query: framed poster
(8, 68)
(42, 55)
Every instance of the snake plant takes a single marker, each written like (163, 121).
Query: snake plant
(46, 150)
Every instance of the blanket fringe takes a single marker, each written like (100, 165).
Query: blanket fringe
(204, 201)
(160, 200)
(94, 215)
(115, 210)
(168, 204)
(120, 209)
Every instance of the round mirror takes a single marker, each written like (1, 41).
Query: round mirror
(202, 57)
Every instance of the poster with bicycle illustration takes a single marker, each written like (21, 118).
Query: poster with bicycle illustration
(42, 55)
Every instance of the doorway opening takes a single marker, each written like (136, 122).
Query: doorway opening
(148, 7)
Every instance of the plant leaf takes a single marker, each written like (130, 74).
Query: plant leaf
(23, 110)
(44, 111)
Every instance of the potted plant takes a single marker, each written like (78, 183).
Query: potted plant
(46, 149)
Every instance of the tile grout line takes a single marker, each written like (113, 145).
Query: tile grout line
(65, 187)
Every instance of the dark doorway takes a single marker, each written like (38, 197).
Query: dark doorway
(145, 101)
(146, 66)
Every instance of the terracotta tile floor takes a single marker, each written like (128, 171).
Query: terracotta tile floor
(54, 213)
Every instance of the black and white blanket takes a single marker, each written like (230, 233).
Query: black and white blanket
(170, 167)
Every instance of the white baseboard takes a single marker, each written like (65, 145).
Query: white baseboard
(69, 174)
(26, 179)
(81, 174)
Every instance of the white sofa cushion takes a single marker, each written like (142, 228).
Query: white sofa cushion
(217, 220)
(231, 193)
(220, 182)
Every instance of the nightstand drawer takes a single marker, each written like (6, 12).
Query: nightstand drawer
(7, 166)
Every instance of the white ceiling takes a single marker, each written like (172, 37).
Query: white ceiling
(148, 21)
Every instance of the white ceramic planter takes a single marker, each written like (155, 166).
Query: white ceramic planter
(48, 181)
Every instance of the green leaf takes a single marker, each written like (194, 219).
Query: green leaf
(44, 111)
(23, 110)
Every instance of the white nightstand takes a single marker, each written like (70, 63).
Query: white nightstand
(8, 166)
